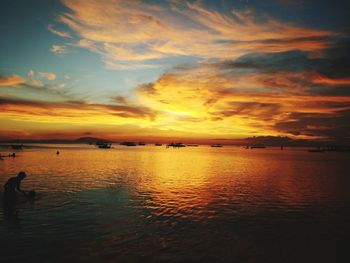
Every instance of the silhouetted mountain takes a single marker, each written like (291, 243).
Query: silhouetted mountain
(270, 140)
(58, 141)
(89, 140)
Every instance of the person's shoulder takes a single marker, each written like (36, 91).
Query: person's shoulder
(12, 179)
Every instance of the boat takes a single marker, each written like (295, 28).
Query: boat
(158, 144)
(192, 145)
(216, 145)
(128, 143)
(142, 143)
(176, 145)
(104, 145)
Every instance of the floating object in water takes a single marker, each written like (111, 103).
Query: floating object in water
(176, 145)
(216, 145)
(104, 145)
(128, 143)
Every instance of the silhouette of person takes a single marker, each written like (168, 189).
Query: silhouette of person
(10, 187)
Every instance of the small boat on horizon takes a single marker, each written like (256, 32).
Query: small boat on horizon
(104, 145)
(128, 143)
(176, 145)
(216, 145)
(158, 144)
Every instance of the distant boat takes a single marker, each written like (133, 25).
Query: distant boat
(192, 145)
(158, 144)
(142, 143)
(176, 145)
(216, 145)
(128, 143)
(104, 145)
(257, 147)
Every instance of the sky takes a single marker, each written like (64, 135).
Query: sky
(165, 70)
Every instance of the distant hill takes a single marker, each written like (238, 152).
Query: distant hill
(59, 141)
(89, 140)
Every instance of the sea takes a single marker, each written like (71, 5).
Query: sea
(191, 204)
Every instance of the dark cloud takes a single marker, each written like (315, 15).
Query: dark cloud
(264, 111)
(338, 59)
(330, 91)
(335, 125)
(290, 61)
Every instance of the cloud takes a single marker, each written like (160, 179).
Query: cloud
(11, 81)
(48, 75)
(32, 80)
(136, 34)
(35, 84)
(325, 126)
(18, 81)
(267, 93)
(57, 32)
(59, 49)
(73, 112)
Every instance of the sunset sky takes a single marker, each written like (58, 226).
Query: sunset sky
(174, 69)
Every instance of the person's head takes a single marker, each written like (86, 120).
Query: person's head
(21, 175)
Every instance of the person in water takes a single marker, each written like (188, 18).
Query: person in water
(13, 184)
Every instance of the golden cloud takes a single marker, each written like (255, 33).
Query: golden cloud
(205, 98)
(73, 112)
(48, 75)
(11, 81)
(131, 34)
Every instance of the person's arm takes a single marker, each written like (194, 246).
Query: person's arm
(19, 188)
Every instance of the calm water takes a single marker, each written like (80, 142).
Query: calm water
(194, 204)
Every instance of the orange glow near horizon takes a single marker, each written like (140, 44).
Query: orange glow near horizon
(177, 69)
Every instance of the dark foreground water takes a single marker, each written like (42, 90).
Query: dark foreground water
(203, 204)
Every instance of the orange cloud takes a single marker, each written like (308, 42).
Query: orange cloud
(11, 81)
(205, 98)
(48, 75)
(73, 112)
(129, 34)
(324, 80)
